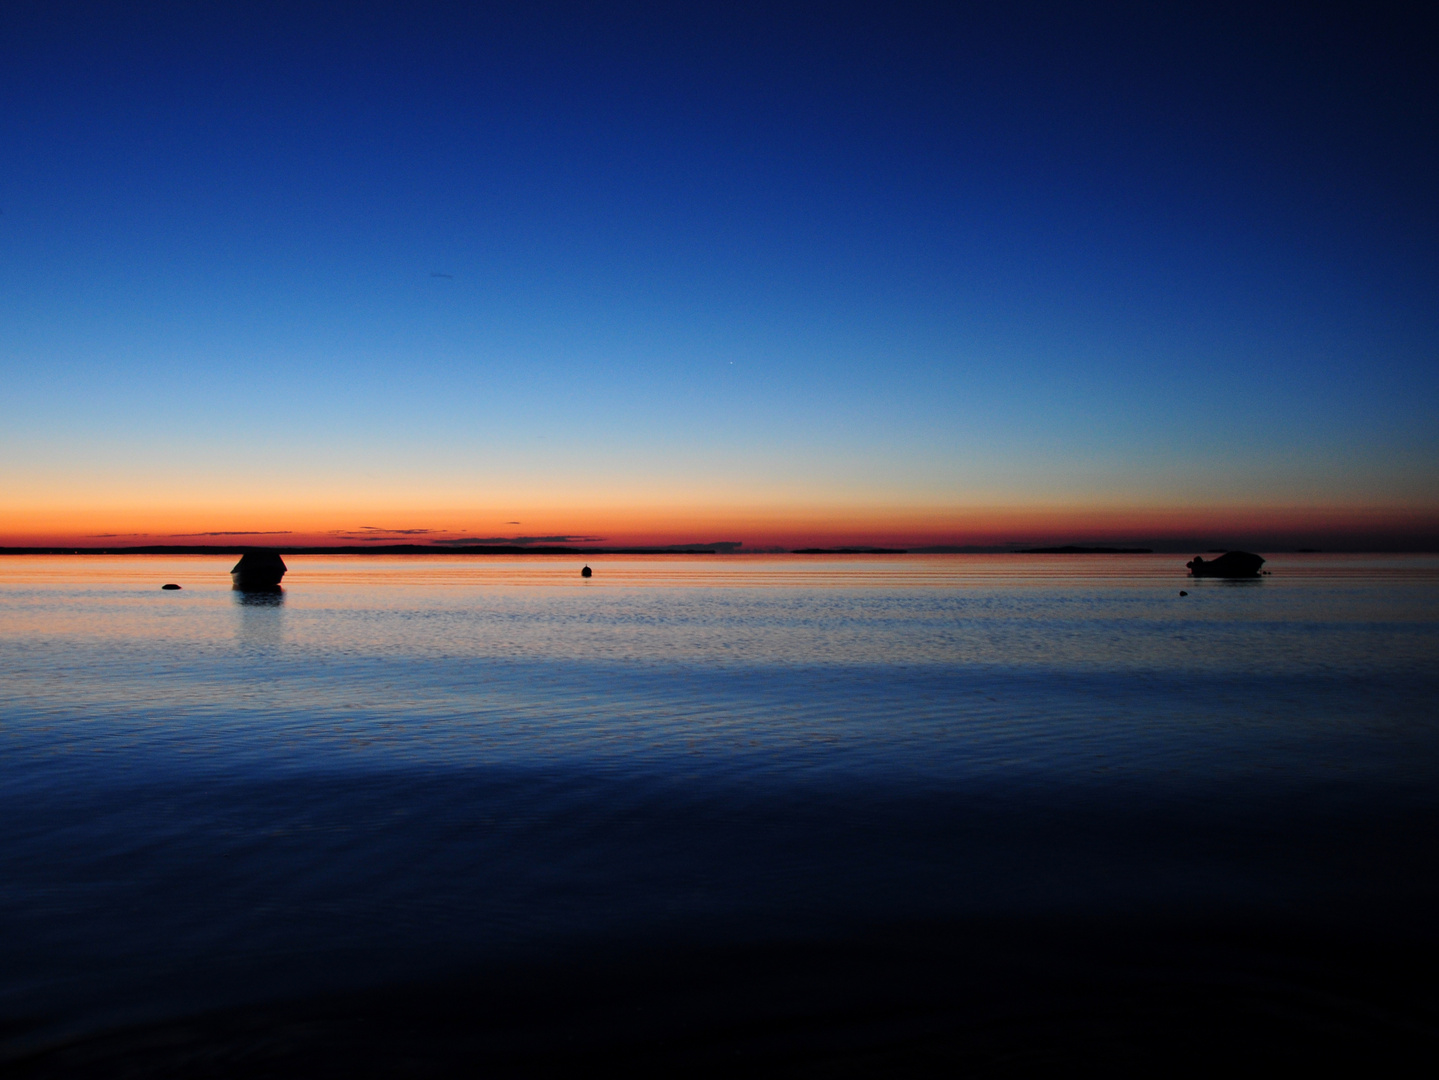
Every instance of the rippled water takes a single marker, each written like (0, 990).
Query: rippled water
(405, 765)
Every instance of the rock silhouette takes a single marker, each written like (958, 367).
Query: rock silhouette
(258, 570)
(169, 586)
(1232, 564)
(586, 572)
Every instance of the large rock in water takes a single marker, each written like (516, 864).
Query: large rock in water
(1232, 564)
(258, 570)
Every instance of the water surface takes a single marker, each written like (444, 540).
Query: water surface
(402, 767)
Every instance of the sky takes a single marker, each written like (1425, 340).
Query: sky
(786, 274)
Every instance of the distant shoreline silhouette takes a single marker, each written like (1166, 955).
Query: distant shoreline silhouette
(357, 549)
(710, 548)
(1074, 549)
(850, 551)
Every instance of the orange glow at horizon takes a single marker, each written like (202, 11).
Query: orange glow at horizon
(755, 526)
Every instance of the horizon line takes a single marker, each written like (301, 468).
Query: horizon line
(1166, 547)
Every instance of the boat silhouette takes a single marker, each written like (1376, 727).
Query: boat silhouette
(258, 570)
(1232, 564)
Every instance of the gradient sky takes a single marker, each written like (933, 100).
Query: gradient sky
(664, 273)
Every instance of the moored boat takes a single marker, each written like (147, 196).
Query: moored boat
(258, 570)
(1232, 564)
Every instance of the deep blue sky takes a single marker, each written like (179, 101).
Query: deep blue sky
(870, 260)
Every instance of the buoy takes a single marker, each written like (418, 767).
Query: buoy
(169, 586)
(1183, 593)
(586, 572)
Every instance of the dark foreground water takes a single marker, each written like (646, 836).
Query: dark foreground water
(743, 814)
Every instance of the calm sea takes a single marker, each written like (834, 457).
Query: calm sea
(406, 769)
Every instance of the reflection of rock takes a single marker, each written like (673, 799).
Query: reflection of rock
(1232, 564)
(258, 570)
(586, 572)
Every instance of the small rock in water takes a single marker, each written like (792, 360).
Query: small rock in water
(169, 586)
(1183, 593)
(586, 572)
